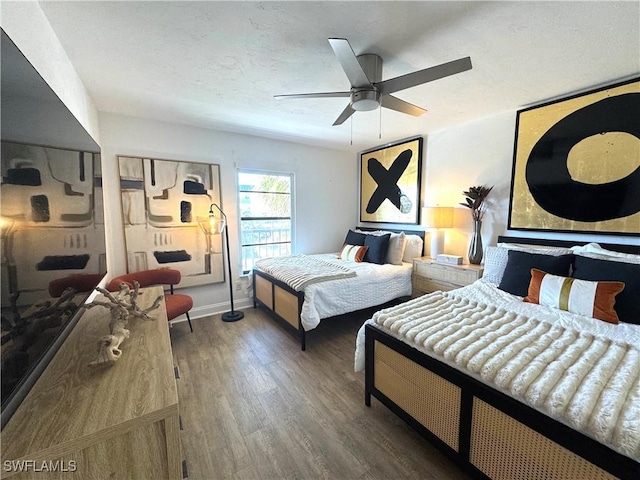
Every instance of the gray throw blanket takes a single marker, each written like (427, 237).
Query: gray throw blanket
(298, 271)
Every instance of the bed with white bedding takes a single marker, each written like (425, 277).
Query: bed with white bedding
(302, 300)
(511, 389)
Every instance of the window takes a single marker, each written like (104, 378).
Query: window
(264, 201)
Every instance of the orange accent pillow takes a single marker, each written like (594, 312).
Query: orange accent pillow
(592, 299)
(353, 253)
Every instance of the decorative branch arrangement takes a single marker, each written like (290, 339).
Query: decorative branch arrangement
(121, 306)
(474, 200)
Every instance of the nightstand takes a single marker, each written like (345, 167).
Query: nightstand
(429, 275)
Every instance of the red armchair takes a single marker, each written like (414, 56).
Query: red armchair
(82, 282)
(177, 304)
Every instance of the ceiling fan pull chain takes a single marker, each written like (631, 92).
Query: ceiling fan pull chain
(380, 124)
(351, 130)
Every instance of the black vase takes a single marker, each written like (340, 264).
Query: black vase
(475, 248)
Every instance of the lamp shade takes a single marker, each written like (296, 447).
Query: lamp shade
(437, 217)
(6, 225)
(212, 225)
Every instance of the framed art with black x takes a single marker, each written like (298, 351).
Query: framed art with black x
(390, 183)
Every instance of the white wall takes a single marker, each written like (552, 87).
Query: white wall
(27, 26)
(325, 187)
(477, 153)
(480, 153)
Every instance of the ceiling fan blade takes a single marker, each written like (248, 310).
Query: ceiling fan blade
(349, 62)
(423, 76)
(389, 101)
(314, 95)
(346, 113)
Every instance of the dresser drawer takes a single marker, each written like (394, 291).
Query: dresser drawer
(426, 285)
(446, 273)
(429, 276)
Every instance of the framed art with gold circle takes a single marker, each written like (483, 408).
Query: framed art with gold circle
(576, 164)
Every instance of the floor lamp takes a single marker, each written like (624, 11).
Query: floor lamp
(214, 225)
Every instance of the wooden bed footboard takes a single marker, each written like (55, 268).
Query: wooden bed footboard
(489, 434)
(280, 300)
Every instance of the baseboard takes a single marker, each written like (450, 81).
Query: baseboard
(215, 309)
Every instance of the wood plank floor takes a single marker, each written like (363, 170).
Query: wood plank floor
(254, 406)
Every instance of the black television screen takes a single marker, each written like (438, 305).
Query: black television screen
(51, 224)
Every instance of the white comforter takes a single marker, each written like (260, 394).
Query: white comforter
(580, 371)
(373, 285)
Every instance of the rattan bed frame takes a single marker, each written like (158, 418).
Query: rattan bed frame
(487, 433)
(283, 303)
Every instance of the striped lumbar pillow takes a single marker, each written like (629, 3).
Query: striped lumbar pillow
(592, 299)
(353, 253)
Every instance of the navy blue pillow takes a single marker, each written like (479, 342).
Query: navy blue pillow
(627, 304)
(378, 246)
(355, 238)
(517, 273)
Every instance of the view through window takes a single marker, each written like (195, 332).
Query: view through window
(264, 200)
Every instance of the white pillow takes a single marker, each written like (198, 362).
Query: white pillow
(495, 261)
(397, 244)
(413, 248)
(592, 299)
(495, 258)
(594, 250)
(540, 249)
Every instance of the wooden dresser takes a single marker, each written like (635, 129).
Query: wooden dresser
(429, 275)
(106, 422)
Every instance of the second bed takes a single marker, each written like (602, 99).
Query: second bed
(303, 304)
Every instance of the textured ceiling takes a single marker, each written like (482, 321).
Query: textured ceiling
(218, 64)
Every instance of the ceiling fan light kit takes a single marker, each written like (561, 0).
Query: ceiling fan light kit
(368, 91)
(365, 100)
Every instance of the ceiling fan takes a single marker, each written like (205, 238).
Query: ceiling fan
(368, 91)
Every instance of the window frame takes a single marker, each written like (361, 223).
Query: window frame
(292, 233)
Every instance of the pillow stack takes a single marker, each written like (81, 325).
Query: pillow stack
(495, 258)
(384, 247)
(590, 276)
(376, 246)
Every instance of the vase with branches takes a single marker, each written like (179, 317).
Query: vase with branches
(475, 201)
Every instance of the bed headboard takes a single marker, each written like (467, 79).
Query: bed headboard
(419, 233)
(635, 249)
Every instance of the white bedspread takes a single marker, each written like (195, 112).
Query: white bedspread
(580, 371)
(372, 285)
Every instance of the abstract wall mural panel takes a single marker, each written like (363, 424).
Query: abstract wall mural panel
(161, 203)
(390, 183)
(576, 163)
(52, 218)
